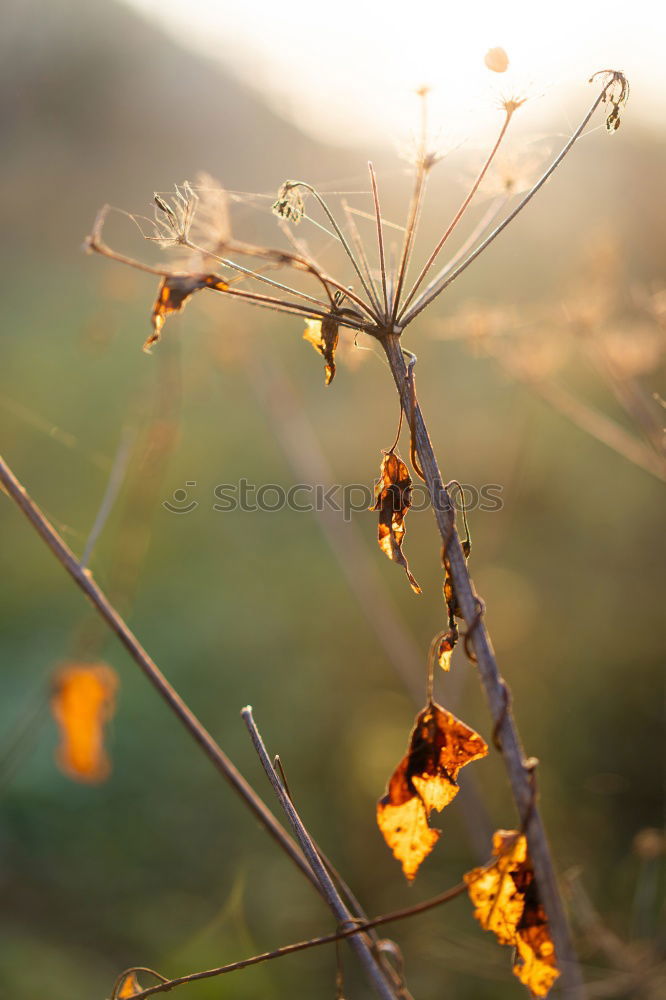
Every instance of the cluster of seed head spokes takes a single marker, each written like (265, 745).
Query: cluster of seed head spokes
(381, 300)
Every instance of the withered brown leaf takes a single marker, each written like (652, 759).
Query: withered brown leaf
(506, 901)
(447, 642)
(425, 779)
(451, 636)
(172, 295)
(323, 335)
(83, 700)
(393, 500)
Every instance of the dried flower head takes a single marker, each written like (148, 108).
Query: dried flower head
(289, 203)
(511, 104)
(616, 93)
(174, 216)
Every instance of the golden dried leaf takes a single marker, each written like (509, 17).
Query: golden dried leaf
(393, 500)
(130, 987)
(498, 903)
(172, 295)
(506, 902)
(323, 335)
(535, 963)
(83, 700)
(425, 779)
(497, 60)
(404, 826)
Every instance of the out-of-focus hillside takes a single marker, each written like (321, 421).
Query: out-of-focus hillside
(95, 101)
(161, 866)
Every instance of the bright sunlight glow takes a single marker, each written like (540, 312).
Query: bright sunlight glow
(346, 71)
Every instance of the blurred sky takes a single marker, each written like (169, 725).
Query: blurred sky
(346, 70)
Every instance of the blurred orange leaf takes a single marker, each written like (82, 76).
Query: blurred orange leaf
(83, 700)
(130, 987)
(506, 901)
(323, 335)
(425, 779)
(393, 500)
(172, 296)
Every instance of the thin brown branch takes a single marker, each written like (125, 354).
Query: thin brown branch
(259, 276)
(494, 686)
(85, 581)
(315, 942)
(95, 244)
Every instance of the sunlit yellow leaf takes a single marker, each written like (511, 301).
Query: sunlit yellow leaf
(405, 829)
(506, 902)
(498, 903)
(425, 779)
(83, 700)
(535, 963)
(323, 335)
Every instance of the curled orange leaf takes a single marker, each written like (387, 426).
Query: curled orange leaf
(83, 700)
(173, 294)
(323, 335)
(425, 779)
(393, 500)
(506, 901)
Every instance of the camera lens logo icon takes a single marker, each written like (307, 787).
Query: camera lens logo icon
(180, 502)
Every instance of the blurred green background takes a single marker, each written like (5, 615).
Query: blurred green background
(162, 865)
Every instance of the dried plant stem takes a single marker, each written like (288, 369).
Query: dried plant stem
(380, 235)
(494, 686)
(601, 427)
(437, 286)
(461, 211)
(115, 482)
(290, 949)
(345, 246)
(315, 942)
(362, 945)
(84, 579)
(362, 256)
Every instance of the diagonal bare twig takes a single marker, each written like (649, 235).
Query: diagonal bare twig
(377, 973)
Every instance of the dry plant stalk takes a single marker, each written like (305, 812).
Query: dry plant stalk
(383, 308)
